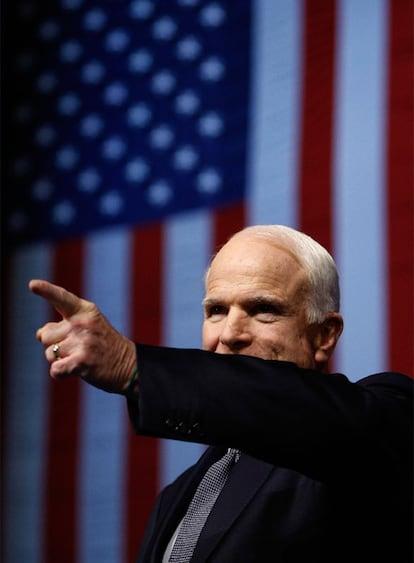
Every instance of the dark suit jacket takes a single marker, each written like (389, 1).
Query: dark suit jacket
(326, 470)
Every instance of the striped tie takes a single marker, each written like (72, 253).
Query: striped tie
(203, 501)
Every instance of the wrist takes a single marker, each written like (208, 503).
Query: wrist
(131, 390)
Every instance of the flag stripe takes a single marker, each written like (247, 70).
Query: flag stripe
(187, 251)
(400, 196)
(101, 516)
(274, 112)
(26, 413)
(359, 184)
(226, 222)
(61, 471)
(317, 121)
(146, 310)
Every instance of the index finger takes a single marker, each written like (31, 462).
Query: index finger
(65, 302)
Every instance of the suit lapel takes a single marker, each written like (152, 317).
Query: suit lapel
(178, 502)
(247, 476)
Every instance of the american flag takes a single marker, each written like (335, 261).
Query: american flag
(139, 135)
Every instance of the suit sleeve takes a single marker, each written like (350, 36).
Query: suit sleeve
(319, 424)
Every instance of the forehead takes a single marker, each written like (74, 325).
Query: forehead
(247, 263)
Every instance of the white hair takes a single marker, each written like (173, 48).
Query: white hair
(323, 296)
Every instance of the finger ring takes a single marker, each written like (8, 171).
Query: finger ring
(55, 350)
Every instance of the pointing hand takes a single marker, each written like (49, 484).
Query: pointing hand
(83, 343)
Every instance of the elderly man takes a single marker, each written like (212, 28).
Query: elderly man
(307, 466)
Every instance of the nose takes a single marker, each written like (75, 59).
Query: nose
(235, 334)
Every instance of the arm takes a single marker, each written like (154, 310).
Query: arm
(316, 423)
(319, 424)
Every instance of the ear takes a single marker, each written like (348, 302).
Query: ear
(325, 337)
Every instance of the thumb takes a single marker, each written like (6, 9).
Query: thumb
(65, 302)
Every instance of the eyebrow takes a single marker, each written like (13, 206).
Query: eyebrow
(251, 302)
(272, 300)
(207, 302)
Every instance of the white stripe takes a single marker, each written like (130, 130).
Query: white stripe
(26, 411)
(187, 251)
(360, 232)
(275, 112)
(102, 457)
(186, 255)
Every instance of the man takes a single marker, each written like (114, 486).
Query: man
(325, 472)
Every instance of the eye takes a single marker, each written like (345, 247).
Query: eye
(214, 311)
(264, 308)
(266, 312)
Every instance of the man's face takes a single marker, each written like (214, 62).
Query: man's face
(255, 303)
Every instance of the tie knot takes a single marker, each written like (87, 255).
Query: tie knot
(235, 454)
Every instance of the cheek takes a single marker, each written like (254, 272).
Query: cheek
(299, 351)
(267, 342)
(281, 342)
(209, 337)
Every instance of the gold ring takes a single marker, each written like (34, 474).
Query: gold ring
(55, 350)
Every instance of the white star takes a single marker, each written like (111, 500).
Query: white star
(185, 158)
(115, 94)
(71, 51)
(45, 135)
(93, 72)
(89, 180)
(42, 189)
(161, 137)
(209, 181)
(163, 82)
(91, 125)
(210, 125)
(212, 69)
(113, 148)
(46, 82)
(48, 30)
(140, 61)
(187, 102)
(212, 15)
(188, 48)
(139, 115)
(68, 104)
(164, 28)
(71, 4)
(95, 19)
(66, 158)
(111, 203)
(63, 213)
(136, 170)
(141, 9)
(187, 3)
(160, 193)
(117, 40)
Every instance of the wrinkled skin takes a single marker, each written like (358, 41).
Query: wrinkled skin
(255, 304)
(89, 346)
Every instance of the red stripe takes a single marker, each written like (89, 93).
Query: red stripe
(315, 176)
(226, 222)
(400, 183)
(61, 473)
(146, 311)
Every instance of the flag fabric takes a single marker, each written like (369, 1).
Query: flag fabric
(140, 136)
